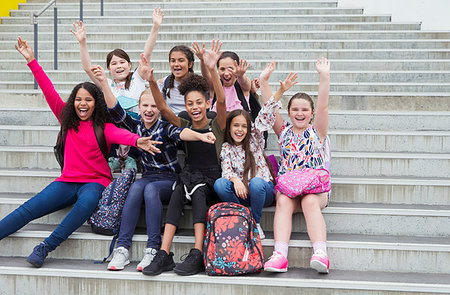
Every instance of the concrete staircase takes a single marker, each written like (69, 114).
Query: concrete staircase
(389, 220)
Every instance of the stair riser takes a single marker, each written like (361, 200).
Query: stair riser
(383, 224)
(368, 259)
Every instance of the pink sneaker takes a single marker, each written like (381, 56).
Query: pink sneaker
(276, 263)
(319, 261)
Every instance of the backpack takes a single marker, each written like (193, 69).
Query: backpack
(232, 244)
(58, 149)
(106, 219)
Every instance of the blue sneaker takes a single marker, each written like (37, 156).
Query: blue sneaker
(38, 255)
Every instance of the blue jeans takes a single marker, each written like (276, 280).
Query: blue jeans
(56, 196)
(154, 190)
(261, 194)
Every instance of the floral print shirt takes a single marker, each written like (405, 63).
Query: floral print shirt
(232, 157)
(304, 150)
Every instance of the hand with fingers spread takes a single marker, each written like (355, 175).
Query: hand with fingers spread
(211, 57)
(99, 73)
(157, 16)
(146, 71)
(267, 72)
(323, 66)
(198, 51)
(239, 188)
(240, 69)
(290, 81)
(149, 145)
(80, 31)
(24, 49)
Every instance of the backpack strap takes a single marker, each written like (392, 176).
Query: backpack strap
(101, 140)
(241, 96)
(165, 87)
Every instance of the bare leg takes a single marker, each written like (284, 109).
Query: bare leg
(312, 206)
(282, 223)
(169, 233)
(199, 231)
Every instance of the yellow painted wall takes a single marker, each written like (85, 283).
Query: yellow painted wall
(7, 5)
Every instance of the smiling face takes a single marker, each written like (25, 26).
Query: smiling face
(196, 105)
(238, 129)
(119, 68)
(84, 104)
(300, 113)
(226, 65)
(179, 65)
(149, 111)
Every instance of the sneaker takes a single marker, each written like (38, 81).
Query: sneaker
(319, 261)
(192, 264)
(114, 164)
(39, 254)
(276, 263)
(262, 236)
(149, 254)
(130, 163)
(120, 259)
(161, 263)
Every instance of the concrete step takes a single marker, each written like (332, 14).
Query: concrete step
(73, 277)
(375, 253)
(343, 163)
(372, 219)
(226, 26)
(348, 120)
(305, 76)
(363, 101)
(342, 140)
(209, 18)
(255, 64)
(377, 189)
(143, 11)
(47, 35)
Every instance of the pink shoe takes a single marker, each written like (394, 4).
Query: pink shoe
(276, 263)
(319, 261)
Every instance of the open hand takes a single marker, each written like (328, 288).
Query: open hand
(265, 74)
(240, 68)
(157, 16)
(323, 66)
(146, 71)
(290, 81)
(198, 51)
(212, 56)
(24, 49)
(149, 145)
(80, 31)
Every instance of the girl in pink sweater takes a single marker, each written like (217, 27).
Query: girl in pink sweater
(85, 172)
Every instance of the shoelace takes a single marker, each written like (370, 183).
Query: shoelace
(188, 257)
(275, 255)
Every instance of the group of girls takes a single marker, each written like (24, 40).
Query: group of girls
(224, 150)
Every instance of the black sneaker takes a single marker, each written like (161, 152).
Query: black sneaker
(192, 265)
(161, 263)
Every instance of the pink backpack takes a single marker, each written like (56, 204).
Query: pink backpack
(304, 181)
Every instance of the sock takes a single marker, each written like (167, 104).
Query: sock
(320, 246)
(282, 248)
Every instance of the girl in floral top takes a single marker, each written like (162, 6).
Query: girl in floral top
(302, 145)
(246, 176)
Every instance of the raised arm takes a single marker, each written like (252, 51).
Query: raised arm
(161, 104)
(100, 76)
(210, 58)
(157, 18)
(54, 101)
(321, 121)
(80, 34)
(243, 80)
(199, 52)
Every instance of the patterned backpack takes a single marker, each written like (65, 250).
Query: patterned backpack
(106, 220)
(232, 243)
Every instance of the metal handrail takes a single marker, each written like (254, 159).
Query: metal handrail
(34, 16)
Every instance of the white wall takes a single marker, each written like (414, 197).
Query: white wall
(434, 14)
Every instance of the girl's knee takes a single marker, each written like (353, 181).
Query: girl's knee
(220, 184)
(285, 203)
(309, 202)
(256, 183)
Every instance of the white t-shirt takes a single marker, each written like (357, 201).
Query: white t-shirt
(176, 101)
(137, 85)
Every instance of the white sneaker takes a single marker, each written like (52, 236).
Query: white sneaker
(261, 232)
(120, 259)
(148, 258)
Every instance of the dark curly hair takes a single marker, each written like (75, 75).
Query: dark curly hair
(194, 82)
(189, 56)
(122, 54)
(100, 116)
